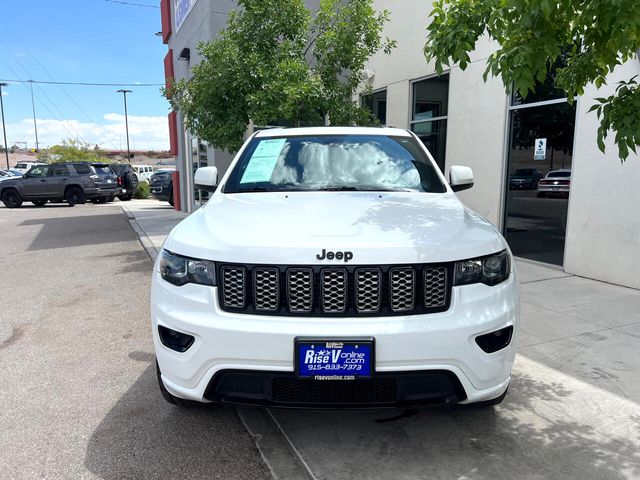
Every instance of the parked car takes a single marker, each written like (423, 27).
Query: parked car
(555, 183)
(71, 182)
(161, 184)
(316, 277)
(6, 174)
(127, 180)
(106, 179)
(144, 172)
(525, 179)
(15, 172)
(23, 167)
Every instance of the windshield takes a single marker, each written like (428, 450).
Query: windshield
(334, 163)
(559, 174)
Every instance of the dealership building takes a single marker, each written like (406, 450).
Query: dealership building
(584, 219)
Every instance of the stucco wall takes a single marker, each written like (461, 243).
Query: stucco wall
(477, 110)
(476, 136)
(603, 228)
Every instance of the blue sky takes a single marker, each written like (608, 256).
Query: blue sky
(83, 41)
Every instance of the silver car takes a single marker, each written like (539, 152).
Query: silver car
(555, 183)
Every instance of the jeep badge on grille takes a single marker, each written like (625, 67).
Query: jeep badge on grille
(346, 256)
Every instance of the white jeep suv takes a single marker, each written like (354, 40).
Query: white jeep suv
(334, 267)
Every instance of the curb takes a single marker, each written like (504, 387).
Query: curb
(278, 453)
(144, 239)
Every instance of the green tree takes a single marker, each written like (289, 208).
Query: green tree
(278, 62)
(590, 37)
(72, 151)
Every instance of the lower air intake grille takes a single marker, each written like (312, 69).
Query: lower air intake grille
(292, 390)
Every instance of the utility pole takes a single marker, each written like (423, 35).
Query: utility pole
(33, 107)
(4, 130)
(126, 121)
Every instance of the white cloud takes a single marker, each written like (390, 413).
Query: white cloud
(145, 133)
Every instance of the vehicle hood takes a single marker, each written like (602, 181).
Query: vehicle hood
(292, 228)
(6, 181)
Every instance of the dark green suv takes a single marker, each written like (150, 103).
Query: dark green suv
(71, 182)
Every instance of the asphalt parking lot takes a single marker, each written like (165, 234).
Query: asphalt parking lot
(80, 398)
(77, 385)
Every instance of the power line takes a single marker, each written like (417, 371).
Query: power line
(132, 4)
(102, 130)
(88, 84)
(77, 135)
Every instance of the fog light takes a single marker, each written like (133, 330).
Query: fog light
(494, 341)
(180, 342)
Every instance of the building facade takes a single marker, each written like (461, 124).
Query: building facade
(510, 143)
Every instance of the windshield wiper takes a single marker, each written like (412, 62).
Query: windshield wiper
(252, 189)
(346, 188)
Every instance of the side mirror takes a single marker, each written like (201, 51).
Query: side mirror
(206, 178)
(460, 178)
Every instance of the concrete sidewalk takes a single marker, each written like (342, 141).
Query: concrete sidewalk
(573, 410)
(152, 220)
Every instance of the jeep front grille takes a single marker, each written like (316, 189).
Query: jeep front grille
(335, 290)
(233, 286)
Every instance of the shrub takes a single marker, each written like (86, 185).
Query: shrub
(143, 191)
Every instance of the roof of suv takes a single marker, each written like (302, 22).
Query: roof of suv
(292, 132)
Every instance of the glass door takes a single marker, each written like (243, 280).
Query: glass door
(199, 159)
(539, 179)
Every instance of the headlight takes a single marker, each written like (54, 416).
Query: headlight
(182, 270)
(490, 270)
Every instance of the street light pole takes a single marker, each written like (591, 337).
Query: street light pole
(126, 121)
(4, 130)
(33, 107)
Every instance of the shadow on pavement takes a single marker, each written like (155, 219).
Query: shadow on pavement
(145, 437)
(94, 229)
(514, 440)
(134, 261)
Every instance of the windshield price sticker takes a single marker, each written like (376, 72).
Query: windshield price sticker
(334, 360)
(263, 161)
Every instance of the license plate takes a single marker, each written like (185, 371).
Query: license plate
(334, 359)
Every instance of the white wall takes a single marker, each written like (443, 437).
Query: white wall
(476, 136)
(477, 111)
(603, 228)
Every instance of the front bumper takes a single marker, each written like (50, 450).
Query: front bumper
(161, 191)
(413, 344)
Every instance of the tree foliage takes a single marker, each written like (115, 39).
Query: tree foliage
(591, 37)
(278, 62)
(71, 151)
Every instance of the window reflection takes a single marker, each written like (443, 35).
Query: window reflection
(539, 181)
(429, 117)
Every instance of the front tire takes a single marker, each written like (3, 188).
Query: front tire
(125, 198)
(11, 199)
(75, 196)
(39, 203)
